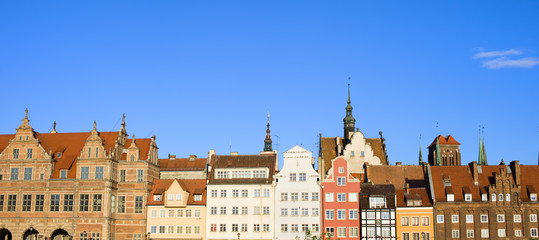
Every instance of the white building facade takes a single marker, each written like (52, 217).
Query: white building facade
(297, 196)
(240, 202)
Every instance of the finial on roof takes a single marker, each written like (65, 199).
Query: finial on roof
(420, 153)
(54, 127)
(133, 141)
(123, 120)
(349, 120)
(267, 141)
(95, 126)
(26, 114)
(502, 163)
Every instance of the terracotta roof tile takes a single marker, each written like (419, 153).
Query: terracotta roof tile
(397, 175)
(414, 194)
(529, 181)
(184, 164)
(444, 140)
(244, 161)
(193, 186)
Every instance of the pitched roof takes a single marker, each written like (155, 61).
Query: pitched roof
(182, 164)
(397, 175)
(444, 140)
(529, 181)
(377, 189)
(414, 194)
(193, 186)
(328, 148)
(243, 161)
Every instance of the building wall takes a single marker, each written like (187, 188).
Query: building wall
(178, 223)
(183, 174)
(297, 161)
(424, 231)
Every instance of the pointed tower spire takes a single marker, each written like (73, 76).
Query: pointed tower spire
(54, 127)
(267, 141)
(438, 157)
(483, 148)
(349, 121)
(480, 159)
(420, 154)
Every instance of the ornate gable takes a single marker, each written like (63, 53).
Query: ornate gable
(503, 189)
(25, 144)
(93, 147)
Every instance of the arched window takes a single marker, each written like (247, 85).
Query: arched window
(132, 157)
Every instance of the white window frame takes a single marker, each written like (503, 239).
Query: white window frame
(440, 218)
(455, 218)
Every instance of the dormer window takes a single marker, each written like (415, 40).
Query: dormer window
(63, 174)
(468, 197)
(157, 197)
(377, 202)
(132, 157)
(59, 155)
(533, 197)
(450, 197)
(198, 197)
(171, 197)
(178, 197)
(484, 197)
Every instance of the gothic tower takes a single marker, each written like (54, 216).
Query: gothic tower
(349, 121)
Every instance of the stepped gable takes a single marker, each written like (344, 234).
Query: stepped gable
(243, 161)
(329, 149)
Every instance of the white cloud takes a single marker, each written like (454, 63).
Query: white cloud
(504, 62)
(497, 53)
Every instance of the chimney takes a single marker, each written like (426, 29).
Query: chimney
(339, 145)
(234, 154)
(366, 167)
(172, 157)
(516, 171)
(398, 163)
(192, 157)
(475, 172)
(407, 188)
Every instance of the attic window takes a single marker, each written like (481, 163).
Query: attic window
(468, 197)
(59, 155)
(157, 197)
(192, 158)
(533, 197)
(484, 197)
(450, 197)
(198, 197)
(63, 174)
(411, 203)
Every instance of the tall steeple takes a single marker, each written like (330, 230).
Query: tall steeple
(480, 159)
(267, 141)
(483, 147)
(420, 154)
(349, 121)
(438, 157)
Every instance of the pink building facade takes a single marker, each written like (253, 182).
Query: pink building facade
(340, 202)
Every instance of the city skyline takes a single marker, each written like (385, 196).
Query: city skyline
(203, 77)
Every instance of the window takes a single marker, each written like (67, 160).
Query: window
(259, 174)
(40, 202)
(223, 192)
(284, 211)
(171, 196)
(315, 211)
(121, 204)
(213, 210)
(256, 227)
(97, 202)
(132, 157)
(415, 221)
(354, 232)
(284, 196)
(517, 218)
(266, 192)
(68, 202)
(533, 197)
(98, 172)
(518, 233)
(501, 232)
(15, 153)
(425, 221)
(266, 210)
(294, 196)
(235, 193)
(341, 214)
(330, 215)
(153, 213)
(244, 211)
(265, 228)
(198, 197)
(294, 227)
(96, 152)
(14, 174)
(122, 175)
(533, 217)
(533, 232)
(341, 181)
(450, 197)
(188, 213)
(377, 202)
(294, 211)
(330, 231)
(341, 232)
(508, 197)
(315, 227)
(484, 218)
(455, 233)
(178, 197)
(197, 229)
(493, 197)
(27, 173)
(235, 227)
(222, 174)
(26, 203)
(501, 218)
(11, 202)
(244, 227)
(138, 204)
(405, 236)
(140, 175)
(341, 170)
(84, 202)
(63, 174)
(244, 193)
(29, 153)
(469, 218)
(352, 153)
(469, 233)
(454, 218)
(292, 177)
(329, 197)
(256, 194)
(341, 197)
(405, 221)
(352, 214)
(161, 229)
(305, 211)
(1, 202)
(171, 213)
(440, 218)
(84, 172)
(213, 227)
(235, 210)
(352, 197)
(484, 197)
(302, 177)
(222, 211)
(197, 213)
(161, 213)
(157, 197)
(500, 197)
(415, 236)
(213, 193)
(284, 227)
(468, 197)
(484, 233)
(304, 196)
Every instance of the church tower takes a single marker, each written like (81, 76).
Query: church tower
(349, 121)
(267, 141)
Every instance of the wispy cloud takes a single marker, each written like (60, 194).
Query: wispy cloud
(497, 53)
(503, 62)
(505, 59)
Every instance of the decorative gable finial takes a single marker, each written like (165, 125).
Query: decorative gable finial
(54, 127)
(133, 144)
(26, 114)
(267, 141)
(123, 120)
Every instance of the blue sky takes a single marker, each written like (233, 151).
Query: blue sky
(201, 75)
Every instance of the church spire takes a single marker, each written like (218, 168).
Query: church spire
(438, 157)
(349, 121)
(420, 154)
(267, 141)
(483, 147)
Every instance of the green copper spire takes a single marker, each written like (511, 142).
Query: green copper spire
(267, 141)
(438, 157)
(420, 154)
(483, 148)
(480, 159)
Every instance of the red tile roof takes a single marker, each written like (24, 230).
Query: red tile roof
(414, 194)
(243, 161)
(444, 140)
(397, 175)
(529, 181)
(184, 164)
(192, 186)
